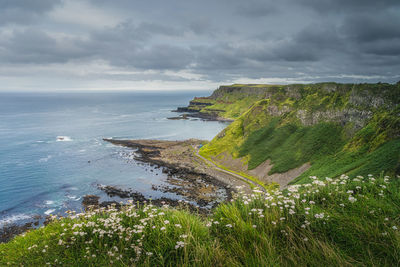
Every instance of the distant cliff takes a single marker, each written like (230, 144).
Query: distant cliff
(331, 128)
(348, 102)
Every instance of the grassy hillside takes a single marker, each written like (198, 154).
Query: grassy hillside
(331, 222)
(231, 101)
(338, 128)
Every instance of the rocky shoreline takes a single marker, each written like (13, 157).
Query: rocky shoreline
(186, 175)
(189, 113)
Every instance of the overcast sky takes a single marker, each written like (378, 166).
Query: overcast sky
(172, 44)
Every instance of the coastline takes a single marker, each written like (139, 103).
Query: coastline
(178, 158)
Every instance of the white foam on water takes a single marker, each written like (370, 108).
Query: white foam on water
(62, 138)
(14, 218)
(72, 197)
(49, 211)
(49, 202)
(45, 159)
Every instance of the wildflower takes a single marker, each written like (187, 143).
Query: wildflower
(162, 228)
(166, 222)
(229, 225)
(178, 225)
(254, 226)
(352, 199)
(394, 227)
(149, 253)
(179, 244)
(305, 239)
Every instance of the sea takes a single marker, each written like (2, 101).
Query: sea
(52, 152)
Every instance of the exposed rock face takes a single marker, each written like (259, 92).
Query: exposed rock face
(358, 117)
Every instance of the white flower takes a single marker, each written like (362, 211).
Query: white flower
(254, 226)
(394, 227)
(352, 199)
(179, 244)
(166, 222)
(229, 225)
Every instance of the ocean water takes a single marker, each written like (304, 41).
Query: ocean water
(52, 153)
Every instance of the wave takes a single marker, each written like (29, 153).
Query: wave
(62, 138)
(73, 197)
(49, 211)
(14, 218)
(49, 202)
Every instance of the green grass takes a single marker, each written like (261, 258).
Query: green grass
(333, 222)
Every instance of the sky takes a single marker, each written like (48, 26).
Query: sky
(50, 45)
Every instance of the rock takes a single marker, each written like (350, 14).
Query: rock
(90, 201)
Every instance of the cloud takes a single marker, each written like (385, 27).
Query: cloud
(255, 9)
(24, 11)
(38, 47)
(346, 6)
(369, 28)
(208, 41)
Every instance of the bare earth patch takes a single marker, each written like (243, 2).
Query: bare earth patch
(261, 172)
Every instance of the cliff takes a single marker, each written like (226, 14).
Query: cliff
(323, 129)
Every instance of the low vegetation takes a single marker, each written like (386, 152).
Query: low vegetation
(332, 222)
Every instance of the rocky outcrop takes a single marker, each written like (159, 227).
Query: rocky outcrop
(358, 118)
(244, 91)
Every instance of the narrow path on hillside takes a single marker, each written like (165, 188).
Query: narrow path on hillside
(228, 172)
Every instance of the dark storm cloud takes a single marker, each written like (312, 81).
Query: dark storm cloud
(217, 40)
(370, 28)
(24, 11)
